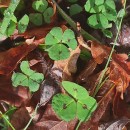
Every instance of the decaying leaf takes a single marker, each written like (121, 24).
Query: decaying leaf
(4, 3)
(20, 118)
(116, 125)
(14, 56)
(50, 121)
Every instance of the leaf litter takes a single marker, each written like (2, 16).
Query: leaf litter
(112, 97)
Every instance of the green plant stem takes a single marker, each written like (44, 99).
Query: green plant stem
(86, 35)
(35, 111)
(79, 123)
(8, 122)
(110, 56)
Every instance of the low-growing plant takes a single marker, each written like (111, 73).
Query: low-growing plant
(44, 12)
(57, 43)
(103, 14)
(77, 104)
(28, 78)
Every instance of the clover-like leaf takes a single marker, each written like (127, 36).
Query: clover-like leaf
(103, 12)
(23, 23)
(64, 106)
(40, 5)
(36, 18)
(57, 41)
(80, 105)
(48, 14)
(28, 78)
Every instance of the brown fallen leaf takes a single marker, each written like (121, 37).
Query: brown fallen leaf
(99, 52)
(4, 3)
(120, 73)
(71, 67)
(14, 56)
(115, 125)
(13, 96)
(50, 121)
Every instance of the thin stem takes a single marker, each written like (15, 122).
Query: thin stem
(35, 111)
(109, 58)
(7, 121)
(79, 123)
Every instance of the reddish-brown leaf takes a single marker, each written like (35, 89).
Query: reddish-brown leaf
(4, 3)
(50, 121)
(20, 118)
(120, 73)
(99, 52)
(10, 58)
(12, 96)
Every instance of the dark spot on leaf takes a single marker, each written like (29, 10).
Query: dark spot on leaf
(85, 106)
(64, 106)
(60, 52)
(75, 89)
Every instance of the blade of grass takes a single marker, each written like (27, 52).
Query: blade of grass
(7, 121)
(110, 56)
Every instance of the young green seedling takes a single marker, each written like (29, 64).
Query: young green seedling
(103, 14)
(77, 104)
(57, 43)
(44, 12)
(28, 78)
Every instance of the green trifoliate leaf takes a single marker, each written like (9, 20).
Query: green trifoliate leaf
(58, 52)
(48, 14)
(40, 5)
(75, 9)
(28, 78)
(79, 105)
(36, 18)
(64, 106)
(23, 23)
(55, 41)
